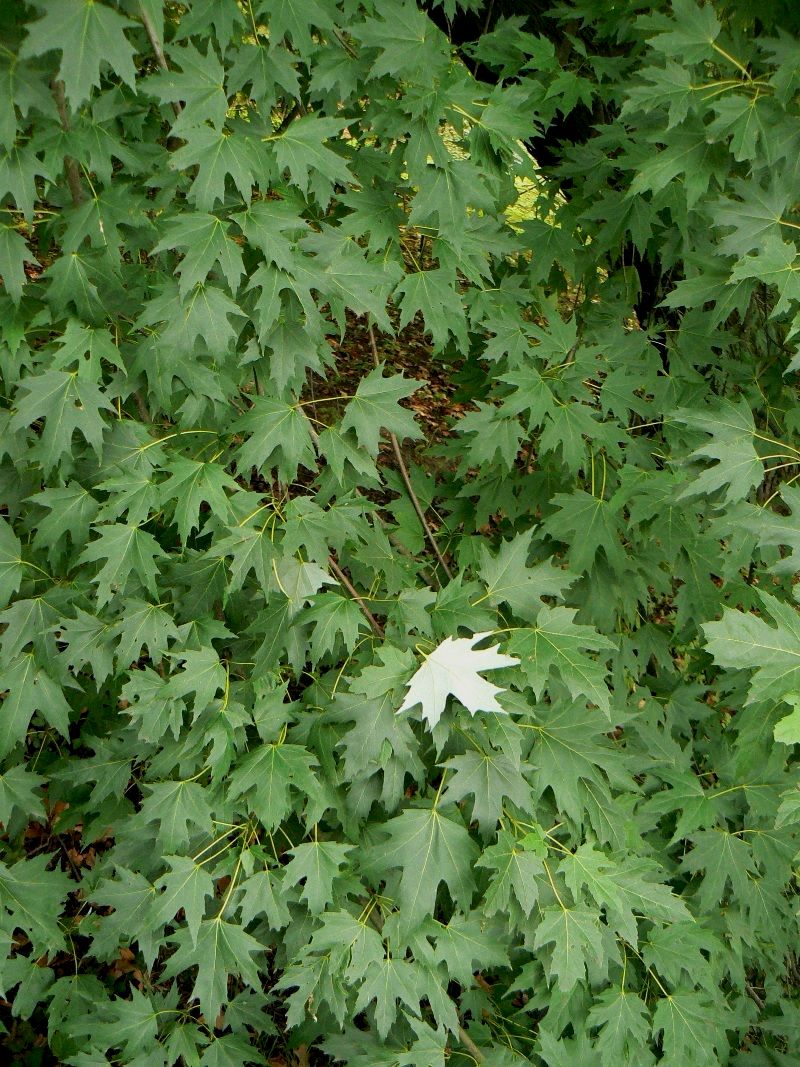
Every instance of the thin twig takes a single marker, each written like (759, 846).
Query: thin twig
(69, 859)
(141, 406)
(401, 464)
(301, 1056)
(759, 1003)
(70, 165)
(393, 539)
(377, 629)
(470, 1045)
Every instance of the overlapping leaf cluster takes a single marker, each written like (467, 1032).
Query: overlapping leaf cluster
(255, 793)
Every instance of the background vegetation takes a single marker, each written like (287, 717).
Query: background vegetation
(350, 349)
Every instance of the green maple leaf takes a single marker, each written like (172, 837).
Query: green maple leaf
(205, 314)
(14, 254)
(683, 951)
(259, 895)
(19, 168)
(87, 33)
(251, 549)
(515, 874)
(587, 524)
(301, 149)
(29, 688)
(133, 495)
(220, 949)
(557, 642)
(565, 429)
(723, 857)
(688, 153)
(774, 529)
(743, 640)
(230, 1050)
(22, 88)
(692, 1027)
(346, 279)
(376, 725)
(86, 637)
(376, 406)
(185, 886)
(738, 468)
(488, 778)
(264, 69)
(740, 116)
(433, 293)
(66, 403)
(174, 806)
(72, 510)
(316, 530)
(205, 242)
(774, 264)
(316, 863)
(571, 750)
(19, 790)
(446, 194)
(273, 227)
(295, 19)
(531, 391)
(109, 768)
(672, 82)
(624, 1023)
(34, 898)
(355, 943)
(202, 674)
(342, 448)
(690, 35)
(408, 41)
(331, 615)
(191, 484)
(12, 568)
(74, 278)
(146, 693)
(622, 888)
(576, 938)
(31, 621)
(457, 604)
(753, 218)
(465, 945)
(131, 1026)
(143, 625)
(83, 348)
(217, 156)
(126, 550)
(198, 86)
(493, 434)
(266, 776)
(132, 897)
(388, 981)
(429, 848)
(509, 579)
(279, 437)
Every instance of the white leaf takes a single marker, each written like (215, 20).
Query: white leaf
(453, 668)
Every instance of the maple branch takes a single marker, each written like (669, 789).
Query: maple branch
(158, 50)
(377, 629)
(398, 455)
(70, 165)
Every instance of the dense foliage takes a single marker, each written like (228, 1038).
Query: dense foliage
(330, 733)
